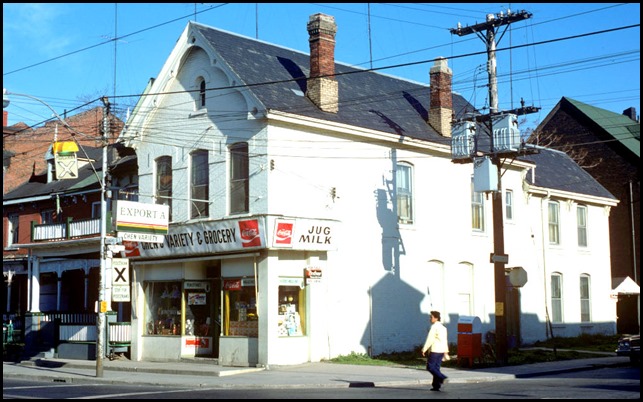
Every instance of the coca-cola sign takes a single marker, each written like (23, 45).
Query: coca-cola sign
(283, 233)
(250, 233)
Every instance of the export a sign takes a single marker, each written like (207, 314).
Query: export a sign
(139, 222)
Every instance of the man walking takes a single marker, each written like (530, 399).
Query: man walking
(436, 344)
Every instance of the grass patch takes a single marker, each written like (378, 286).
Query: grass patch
(414, 359)
(597, 343)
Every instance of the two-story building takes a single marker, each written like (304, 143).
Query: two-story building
(315, 211)
(51, 225)
(608, 146)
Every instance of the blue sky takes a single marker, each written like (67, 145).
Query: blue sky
(65, 55)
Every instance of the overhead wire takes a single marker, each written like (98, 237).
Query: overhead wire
(356, 99)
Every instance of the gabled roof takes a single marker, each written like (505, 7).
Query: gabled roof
(614, 125)
(557, 171)
(277, 78)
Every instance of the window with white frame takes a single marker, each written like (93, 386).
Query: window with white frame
(509, 205)
(477, 209)
(199, 190)
(13, 220)
(404, 180)
(163, 182)
(554, 222)
(581, 222)
(239, 178)
(556, 297)
(585, 313)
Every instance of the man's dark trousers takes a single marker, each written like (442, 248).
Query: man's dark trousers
(433, 363)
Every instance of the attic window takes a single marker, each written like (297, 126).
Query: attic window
(202, 94)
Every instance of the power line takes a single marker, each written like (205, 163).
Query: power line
(112, 40)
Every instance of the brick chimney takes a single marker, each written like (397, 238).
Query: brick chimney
(441, 107)
(631, 113)
(322, 87)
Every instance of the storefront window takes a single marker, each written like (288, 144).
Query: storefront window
(163, 308)
(292, 307)
(240, 314)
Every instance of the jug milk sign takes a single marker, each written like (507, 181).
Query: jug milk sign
(144, 223)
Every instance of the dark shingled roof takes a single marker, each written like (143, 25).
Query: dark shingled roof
(277, 77)
(557, 171)
(37, 185)
(366, 99)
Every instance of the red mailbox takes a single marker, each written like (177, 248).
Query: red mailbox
(469, 339)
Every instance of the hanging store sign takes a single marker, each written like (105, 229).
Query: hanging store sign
(203, 238)
(65, 159)
(146, 223)
(66, 166)
(312, 275)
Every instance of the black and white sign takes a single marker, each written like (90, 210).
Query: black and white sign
(120, 280)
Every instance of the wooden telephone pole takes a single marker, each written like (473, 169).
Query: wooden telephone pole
(498, 257)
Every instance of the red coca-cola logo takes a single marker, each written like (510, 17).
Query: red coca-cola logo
(131, 249)
(250, 236)
(283, 233)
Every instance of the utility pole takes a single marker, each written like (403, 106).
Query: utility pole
(498, 257)
(102, 303)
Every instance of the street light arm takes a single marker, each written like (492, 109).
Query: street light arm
(6, 101)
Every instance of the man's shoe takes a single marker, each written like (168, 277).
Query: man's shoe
(435, 389)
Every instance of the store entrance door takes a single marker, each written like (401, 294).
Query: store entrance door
(201, 309)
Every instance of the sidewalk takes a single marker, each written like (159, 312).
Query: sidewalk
(309, 375)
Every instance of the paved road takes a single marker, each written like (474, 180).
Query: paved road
(310, 375)
(604, 383)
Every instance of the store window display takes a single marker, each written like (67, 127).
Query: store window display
(240, 313)
(163, 308)
(291, 314)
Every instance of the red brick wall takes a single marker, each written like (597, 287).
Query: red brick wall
(30, 145)
(322, 30)
(441, 96)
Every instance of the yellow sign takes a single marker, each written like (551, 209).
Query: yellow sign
(500, 309)
(103, 306)
(65, 147)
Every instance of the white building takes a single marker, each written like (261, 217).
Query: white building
(277, 164)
